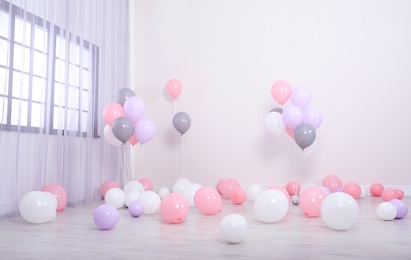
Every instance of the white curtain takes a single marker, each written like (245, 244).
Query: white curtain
(61, 62)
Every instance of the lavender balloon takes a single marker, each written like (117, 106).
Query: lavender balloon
(136, 208)
(313, 116)
(144, 130)
(402, 208)
(106, 216)
(301, 96)
(134, 108)
(292, 116)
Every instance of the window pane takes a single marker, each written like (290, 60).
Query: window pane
(39, 90)
(40, 39)
(84, 121)
(60, 71)
(19, 111)
(59, 95)
(84, 100)
(74, 76)
(86, 79)
(3, 110)
(72, 122)
(4, 83)
(40, 64)
(60, 47)
(73, 97)
(4, 24)
(21, 58)
(58, 118)
(20, 85)
(87, 57)
(4, 52)
(22, 32)
(37, 114)
(74, 53)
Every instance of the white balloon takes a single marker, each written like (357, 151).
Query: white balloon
(133, 186)
(109, 136)
(163, 192)
(37, 207)
(253, 191)
(233, 228)
(270, 206)
(190, 191)
(151, 201)
(386, 211)
(53, 198)
(115, 197)
(132, 196)
(180, 184)
(274, 123)
(340, 211)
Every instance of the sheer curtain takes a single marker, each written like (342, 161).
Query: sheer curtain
(61, 62)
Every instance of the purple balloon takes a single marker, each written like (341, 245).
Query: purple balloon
(106, 216)
(292, 116)
(134, 108)
(327, 190)
(144, 130)
(402, 208)
(301, 96)
(136, 208)
(313, 116)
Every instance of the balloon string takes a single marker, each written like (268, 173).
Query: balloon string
(182, 157)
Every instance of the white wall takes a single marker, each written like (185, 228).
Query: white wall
(354, 55)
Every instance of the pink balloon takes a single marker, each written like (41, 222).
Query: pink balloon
(174, 208)
(293, 188)
(238, 196)
(313, 117)
(144, 130)
(111, 112)
(60, 194)
(147, 183)
(389, 194)
(284, 191)
(352, 189)
(208, 200)
(174, 88)
(292, 116)
(133, 139)
(134, 108)
(227, 186)
(376, 189)
(400, 193)
(332, 182)
(281, 91)
(289, 131)
(218, 185)
(311, 200)
(301, 96)
(106, 186)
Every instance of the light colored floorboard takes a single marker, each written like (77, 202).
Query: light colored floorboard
(73, 235)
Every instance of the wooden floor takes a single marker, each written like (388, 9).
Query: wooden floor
(73, 235)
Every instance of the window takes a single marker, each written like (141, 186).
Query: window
(48, 76)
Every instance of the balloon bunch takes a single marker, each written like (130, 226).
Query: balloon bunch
(124, 122)
(181, 120)
(392, 207)
(298, 119)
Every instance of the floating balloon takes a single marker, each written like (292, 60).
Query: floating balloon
(274, 123)
(37, 207)
(144, 130)
(277, 109)
(60, 193)
(111, 112)
(174, 208)
(340, 211)
(292, 116)
(123, 94)
(301, 96)
(304, 135)
(182, 122)
(109, 136)
(313, 116)
(133, 139)
(233, 228)
(122, 129)
(174, 88)
(134, 108)
(281, 91)
(106, 216)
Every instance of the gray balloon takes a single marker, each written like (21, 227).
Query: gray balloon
(123, 94)
(304, 135)
(122, 128)
(181, 122)
(277, 109)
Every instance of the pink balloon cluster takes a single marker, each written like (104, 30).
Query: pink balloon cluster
(298, 119)
(387, 194)
(231, 189)
(124, 120)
